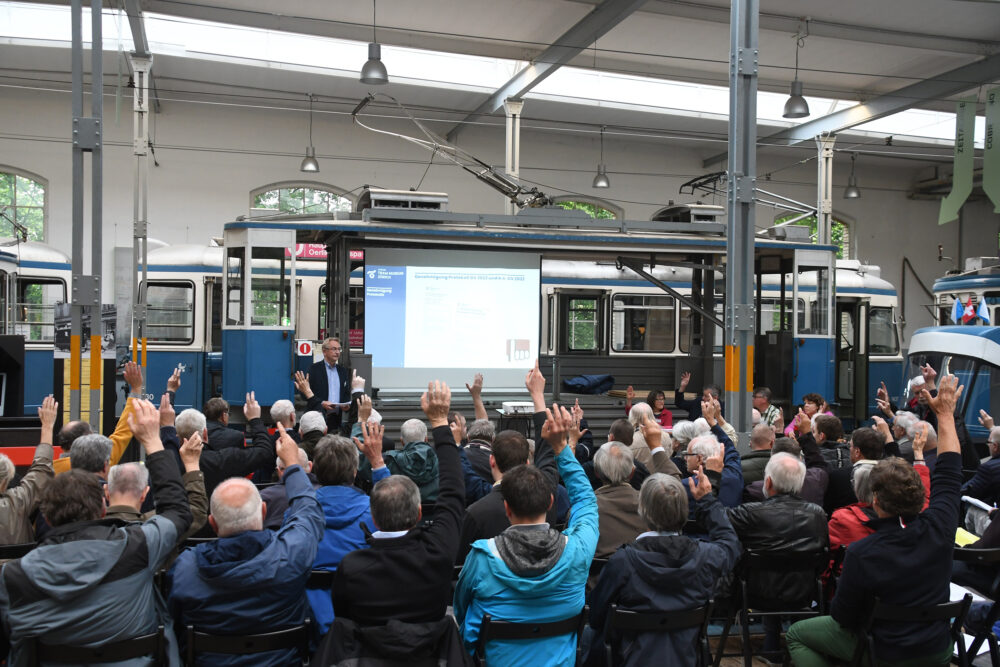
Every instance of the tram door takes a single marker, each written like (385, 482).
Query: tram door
(851, 391)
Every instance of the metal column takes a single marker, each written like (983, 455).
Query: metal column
(86, 289)
(742, 168)
(824, 187)
(141, 68)
(338, 314)
(512, 166)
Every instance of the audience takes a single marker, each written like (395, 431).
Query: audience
(532, 572)
(90, 581)
(985, 484)
(907, 561)
(710, 393)
(655, 400)
(754, 461)
(250, 577)
(17, 504)
(312, 427)
(275, 496)
(866, 445)
(769, 414)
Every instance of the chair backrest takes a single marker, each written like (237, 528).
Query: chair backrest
(195, 541)
(493, 630)
(953, 612)
(320, 579)
(784, 564)
(12, 551)
(628, 620)
(289, 638)
(126, 649)
(597, 565)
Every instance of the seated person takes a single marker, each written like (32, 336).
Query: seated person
(275, 496)
(663, 570)
(906, 562)
(312, 427)
(985, 484)
(220, 436)
(867, 444)
(531, 572)
(406, 572)
(250, 578)
(416, 460)
(17, 504)
(657, 401)
(90, 581)
(753, 462)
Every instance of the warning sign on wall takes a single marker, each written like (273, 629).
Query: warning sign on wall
(303, 348)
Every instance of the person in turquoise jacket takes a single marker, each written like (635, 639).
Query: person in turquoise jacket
(531, 572)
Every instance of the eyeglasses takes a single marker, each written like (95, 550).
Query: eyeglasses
(333, 349)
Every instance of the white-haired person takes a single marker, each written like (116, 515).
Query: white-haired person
(312, 427)
(250, 578)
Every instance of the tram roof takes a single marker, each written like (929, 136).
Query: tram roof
(553, 235)
(979, 342)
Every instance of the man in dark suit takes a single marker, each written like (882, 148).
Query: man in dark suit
(331, 385)
(216, 411)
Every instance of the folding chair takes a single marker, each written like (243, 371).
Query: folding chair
(622, 621)
(987, 558)
(127, 649)
(499, 630)
(289, 638)
(926, 614)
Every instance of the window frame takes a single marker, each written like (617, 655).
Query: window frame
(618, 211)
(40, 180)
(599, 298)
(894, 328)
(20, 278)
(194, 310)
(291, 185)
(673, 328)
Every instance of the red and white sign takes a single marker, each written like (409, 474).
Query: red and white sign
(318, 251)
(304, 348)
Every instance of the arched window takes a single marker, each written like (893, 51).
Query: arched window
(22, 200)
(299, 198)
(840, 232)
(592, 206)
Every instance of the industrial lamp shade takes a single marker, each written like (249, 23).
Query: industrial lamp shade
(852, 191)
(796, 105)
(601, 180)
(374, 72)
(309, 162)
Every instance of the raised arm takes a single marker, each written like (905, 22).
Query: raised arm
(946, 480)
(653, 435)
(313, 402)
(194, 483)
(534, 381)
(450, 506)
(23, 499)
(476, 390)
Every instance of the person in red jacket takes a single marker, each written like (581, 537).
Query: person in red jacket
(657, 401)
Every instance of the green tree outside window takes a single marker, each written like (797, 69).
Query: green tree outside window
(839, 232)
(23, 201)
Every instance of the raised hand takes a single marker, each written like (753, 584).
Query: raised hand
(920, 438)
(716, 461)
(286, 448)
(929, 374)
(708, 412)
(651, 432)
(458, 427)
(882, 394)
(803, 423)
(357, 382)
(577, 411)
(251, 408)
(371, 445)
(630, 394)
(535, 381)
(685, 378)
(144, 422)
(703, 487)
(190, 452)
(882, 427)
(884, 406)
(167, 412)
(435, 403)
(302, 385)
(986, 420)
(476, 388)
(174, 381)
(48, 411)
(947, 397)
(133, 376)
(559, 430)
(364, 408)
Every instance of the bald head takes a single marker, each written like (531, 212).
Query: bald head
(761, 437)
(236, 507)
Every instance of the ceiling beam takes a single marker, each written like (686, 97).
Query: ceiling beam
(585, 32)
(956, 81)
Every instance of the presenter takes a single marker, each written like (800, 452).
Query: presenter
(331, 383)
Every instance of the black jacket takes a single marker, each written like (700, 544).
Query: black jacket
(348, 644)
(220, 465)
(408, 578)
(783, 522)
(221, 436)
(907, 561)
(321, 391)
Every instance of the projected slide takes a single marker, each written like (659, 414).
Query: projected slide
(466, 311)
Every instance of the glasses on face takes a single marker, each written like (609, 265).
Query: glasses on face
(331, 349)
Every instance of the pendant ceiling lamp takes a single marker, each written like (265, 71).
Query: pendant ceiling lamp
(374, 73)
(852, 191)
(796, 105)
(601, 180)
(309, 163)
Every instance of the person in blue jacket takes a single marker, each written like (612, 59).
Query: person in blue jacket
(345, 506)
(251, 579)
(531, 572)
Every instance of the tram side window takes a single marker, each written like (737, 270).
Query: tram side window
(582, 325)
(819, 303)
(770, 315)
(34, 308)
(686, 319)
(642, 323)
(985, 392)
(882, 338)
(170, 312)
(269, 308)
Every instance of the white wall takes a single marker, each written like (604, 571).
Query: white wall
(212, 156)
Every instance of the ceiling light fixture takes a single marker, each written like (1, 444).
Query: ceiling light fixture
(309, 162)
(852, 191)
(601, 180)
(374, 73)
(796, 105)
